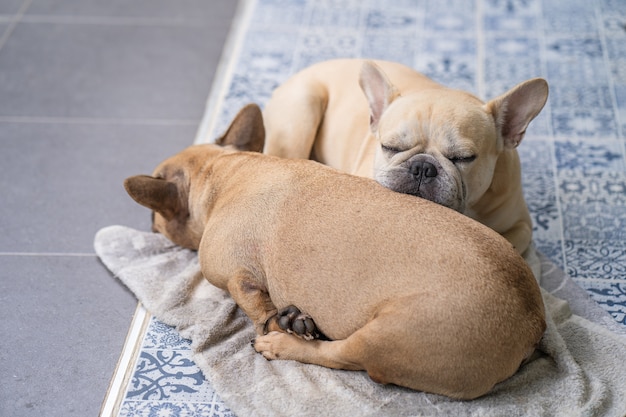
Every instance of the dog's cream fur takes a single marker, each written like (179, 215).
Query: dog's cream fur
(388, 122)
(412, 292)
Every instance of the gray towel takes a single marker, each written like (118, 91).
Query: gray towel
(582, 373)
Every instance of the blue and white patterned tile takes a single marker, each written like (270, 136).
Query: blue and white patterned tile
(593, 205)
(620, 98)
(512, 7)
(584, 123)
(597, 259)
(343, 14)
(540, 194)
(612, 6)
(407, 5)
(613, 23)
(589, 156)
(576, 72)
(617, 58)
(610, 295)
(511, 23)
(161, 336)
(513, 47)
(568, 48)
(571, 23)
(174, 409)
(319, 44)
(267, 51)
(501, 73)
(161, 374)
(450, 46)
(594, 221)
(389, 47)
(536, 153)
(454, 71)
(570, 7)
(585, 96)
(398, 22)
(587, 188)
(433, 7)
(551, 248)
(291, 12)
(451, 23)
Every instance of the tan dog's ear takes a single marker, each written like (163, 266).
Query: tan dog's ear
(515, 109)
(378, 90)
(246, 132)
(155, 193)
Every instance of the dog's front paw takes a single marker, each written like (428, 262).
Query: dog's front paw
(291, 320)
(276, 345)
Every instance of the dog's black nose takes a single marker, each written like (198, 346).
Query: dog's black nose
(422, 170)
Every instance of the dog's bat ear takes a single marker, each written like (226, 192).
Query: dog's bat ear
(246, 132)
(378, 90)
(155, 193)
(514, 110)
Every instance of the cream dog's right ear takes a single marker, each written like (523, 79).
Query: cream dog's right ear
(515, 109)
(246, 132)
(378, 90)
(155, 193)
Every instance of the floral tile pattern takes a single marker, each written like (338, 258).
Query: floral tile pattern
(573, 158)
(166, 381)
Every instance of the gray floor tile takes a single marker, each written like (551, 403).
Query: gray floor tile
(195, 10)
(10, 7)
(109, 71)
(163, 9)
(64, 322)
(78, 78)
(61, 183)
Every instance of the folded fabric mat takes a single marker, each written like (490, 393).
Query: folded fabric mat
(581, 373)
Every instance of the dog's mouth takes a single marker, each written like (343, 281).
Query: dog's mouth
(426, 180)
(434, 194)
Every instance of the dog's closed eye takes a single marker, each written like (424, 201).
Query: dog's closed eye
(390, 149)
(462, 159)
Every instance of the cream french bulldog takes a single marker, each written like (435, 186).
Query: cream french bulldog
(411, 292)
(386, 121)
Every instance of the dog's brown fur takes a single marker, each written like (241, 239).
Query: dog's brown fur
(414, 293)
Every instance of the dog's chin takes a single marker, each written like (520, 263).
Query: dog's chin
(433, 192)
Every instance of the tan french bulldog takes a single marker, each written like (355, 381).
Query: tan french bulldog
(411, 135)
(412, 292)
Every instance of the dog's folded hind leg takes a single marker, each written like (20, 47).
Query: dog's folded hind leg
(252, 297)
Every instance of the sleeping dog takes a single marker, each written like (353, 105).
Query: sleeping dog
(411, 292)
(385, 121)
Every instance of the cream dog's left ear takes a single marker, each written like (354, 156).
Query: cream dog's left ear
(246, 132)
(378, 90)
(515, 109)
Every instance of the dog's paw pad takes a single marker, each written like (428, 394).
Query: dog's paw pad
(292, 320)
